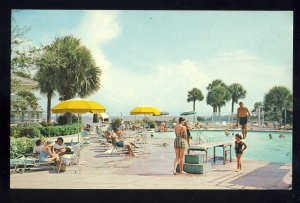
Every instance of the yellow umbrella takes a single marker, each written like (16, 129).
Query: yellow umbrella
(146, 110)
(78, 106)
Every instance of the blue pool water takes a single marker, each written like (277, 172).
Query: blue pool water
(259, 146)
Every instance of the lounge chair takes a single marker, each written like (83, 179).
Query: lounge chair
(29, 161)
(20, 165)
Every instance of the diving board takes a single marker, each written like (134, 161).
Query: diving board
(204, 147)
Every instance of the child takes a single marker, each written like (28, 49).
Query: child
(239, 150)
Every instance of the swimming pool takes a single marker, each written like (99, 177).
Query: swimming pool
(259, 146)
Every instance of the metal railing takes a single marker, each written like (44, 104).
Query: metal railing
(201, 138)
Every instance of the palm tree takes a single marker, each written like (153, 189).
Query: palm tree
(211, 100)
(218, 94)
(46, 75)
(215, 83)
(278, 99)
(222, 95)
(237, 92)
(194, 95)
(78, 76)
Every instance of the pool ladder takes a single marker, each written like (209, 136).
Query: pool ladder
(201, 138)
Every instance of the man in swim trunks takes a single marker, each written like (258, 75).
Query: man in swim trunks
(243, 116)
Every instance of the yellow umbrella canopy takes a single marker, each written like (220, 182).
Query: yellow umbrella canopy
(146, 110)
(78, 106)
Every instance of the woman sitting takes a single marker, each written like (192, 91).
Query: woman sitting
(119, 141)
(48, 154)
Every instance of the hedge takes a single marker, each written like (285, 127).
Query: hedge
(34, 131)
(30, 131)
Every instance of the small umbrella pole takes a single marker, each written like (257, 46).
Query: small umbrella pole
(78, 127)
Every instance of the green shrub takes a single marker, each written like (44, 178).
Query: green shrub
(200, 118)
(36, 131)
(62, 120)
(75, 119)
(30, 131)
(60, 130)
(115, 123)
(44, 124)
(20, 146)
(15, 131)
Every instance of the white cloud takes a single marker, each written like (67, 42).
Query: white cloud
(165, 88)
(96, 29)
(99, 27)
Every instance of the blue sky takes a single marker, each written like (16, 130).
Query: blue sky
(156, 57)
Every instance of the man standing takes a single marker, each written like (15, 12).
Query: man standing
(243, 115)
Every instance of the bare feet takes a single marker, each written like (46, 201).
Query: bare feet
(175, 173)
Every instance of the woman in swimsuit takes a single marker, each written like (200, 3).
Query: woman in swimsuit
(179, 145)
(239, 150)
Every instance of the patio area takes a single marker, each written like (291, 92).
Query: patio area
(152, 169)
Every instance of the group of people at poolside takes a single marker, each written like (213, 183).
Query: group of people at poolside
(182, 139)
(49, 151)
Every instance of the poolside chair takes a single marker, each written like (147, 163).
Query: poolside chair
(19, 165)
(117, 150)
(85, 138)
(76, 159)
(85, 135)
(100, 136)
(28, 162)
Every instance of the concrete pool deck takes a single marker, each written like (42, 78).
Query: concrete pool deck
(152, 169)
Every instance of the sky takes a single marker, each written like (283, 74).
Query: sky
(156, 57)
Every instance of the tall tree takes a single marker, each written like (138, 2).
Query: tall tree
(215, 83)
(195, 95)
(211, 100)
(218, 94)
(237, 92)
(78, 74)
(48, 64)
(277, 99)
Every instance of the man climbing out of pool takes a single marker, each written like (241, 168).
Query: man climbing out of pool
(243, 116)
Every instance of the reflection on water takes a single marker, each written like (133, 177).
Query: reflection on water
(260, 146)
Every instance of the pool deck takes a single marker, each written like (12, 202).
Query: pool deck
(152, 169)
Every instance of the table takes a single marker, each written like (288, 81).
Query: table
(204, 147)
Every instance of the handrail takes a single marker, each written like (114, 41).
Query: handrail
(199, 134)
